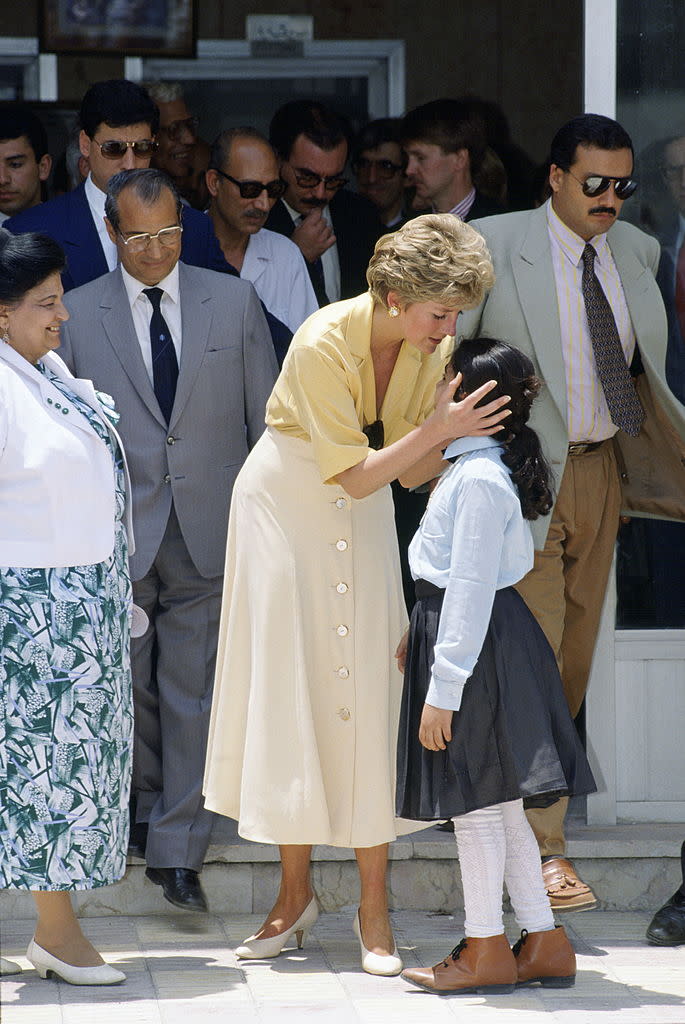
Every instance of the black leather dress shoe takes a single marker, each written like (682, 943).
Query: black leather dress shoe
(137, 840)
(180, 886)
(667, 927)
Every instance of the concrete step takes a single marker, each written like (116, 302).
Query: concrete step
(630, 867)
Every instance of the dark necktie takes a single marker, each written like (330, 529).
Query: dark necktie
(680, 290)
(317, 277)
(164, 362)
(624, 405)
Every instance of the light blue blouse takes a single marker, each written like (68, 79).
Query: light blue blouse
(472, 541)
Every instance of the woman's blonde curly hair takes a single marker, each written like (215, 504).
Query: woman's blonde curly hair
(433, 258)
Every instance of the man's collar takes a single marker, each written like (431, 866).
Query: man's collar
(295, 216)
(462, 445)
(569, 242)
(168, 284)
(95, 196)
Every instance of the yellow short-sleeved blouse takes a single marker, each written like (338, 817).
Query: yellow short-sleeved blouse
(326, 391)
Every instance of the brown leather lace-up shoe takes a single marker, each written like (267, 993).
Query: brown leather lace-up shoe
(565, 889)
(480, 966)
(546, 957)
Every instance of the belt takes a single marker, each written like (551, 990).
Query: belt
(582, 447)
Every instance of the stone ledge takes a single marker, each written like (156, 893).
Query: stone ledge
(584, 841)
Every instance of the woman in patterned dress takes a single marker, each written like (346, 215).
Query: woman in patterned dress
(65, 608)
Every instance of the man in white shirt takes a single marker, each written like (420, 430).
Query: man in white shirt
(244, 183)
(445, 148)
(575, 289)
(187, 356)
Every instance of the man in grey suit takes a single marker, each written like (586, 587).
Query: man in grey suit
(187, 356)
(576, 291)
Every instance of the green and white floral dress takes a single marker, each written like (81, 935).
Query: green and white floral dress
(66, 714)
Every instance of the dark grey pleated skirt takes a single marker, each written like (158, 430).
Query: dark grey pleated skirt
(513, 735)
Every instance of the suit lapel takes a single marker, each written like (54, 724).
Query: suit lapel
(196, 320)
(534, 277)
(117, 323)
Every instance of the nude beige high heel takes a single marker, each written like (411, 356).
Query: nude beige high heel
(264, 949)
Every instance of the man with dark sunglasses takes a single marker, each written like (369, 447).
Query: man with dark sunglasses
(119, 126)
(243, 183)
(335, 229)
(576, 290)
(379, 163)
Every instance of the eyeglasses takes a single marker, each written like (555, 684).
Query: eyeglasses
(595, 184)
(114, 149)
(251, 189)
(385, 169)
(175, 129)
(308, 179)
(166, 237)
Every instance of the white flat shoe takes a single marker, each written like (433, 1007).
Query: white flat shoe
(374, 963)
(47, 964)
(264, 949)
(8, 967)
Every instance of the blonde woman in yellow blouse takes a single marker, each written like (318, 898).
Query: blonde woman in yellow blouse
(306, 701)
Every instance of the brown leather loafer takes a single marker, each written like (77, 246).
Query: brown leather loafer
(475, 966)
(565, 889)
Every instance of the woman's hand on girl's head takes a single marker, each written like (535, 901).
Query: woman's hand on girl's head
(435, 728)
(462, 419)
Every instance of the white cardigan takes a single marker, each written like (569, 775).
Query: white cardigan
(56, 480)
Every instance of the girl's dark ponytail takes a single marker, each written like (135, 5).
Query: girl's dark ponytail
(483, 359)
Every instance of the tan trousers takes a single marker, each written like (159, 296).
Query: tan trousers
(566, 586)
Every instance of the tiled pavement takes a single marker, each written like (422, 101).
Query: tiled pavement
(181, 970)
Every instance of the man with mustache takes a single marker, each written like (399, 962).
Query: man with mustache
(244, 184)
(576, 291)
(335, 230)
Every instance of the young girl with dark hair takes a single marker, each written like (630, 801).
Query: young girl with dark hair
(484, 722)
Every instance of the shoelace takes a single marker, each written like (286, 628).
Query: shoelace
(456, 952)
(516, 949)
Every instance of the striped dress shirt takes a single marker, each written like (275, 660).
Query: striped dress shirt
(588, 414)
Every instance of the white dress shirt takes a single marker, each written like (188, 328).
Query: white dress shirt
(330, 261)
(141, 310)
(471, 542)
(96, 202)
(588, 412)
(278, 270)
(4, 217)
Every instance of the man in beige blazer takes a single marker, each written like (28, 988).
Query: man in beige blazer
(539, 304)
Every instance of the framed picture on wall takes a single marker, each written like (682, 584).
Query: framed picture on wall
(165, 28)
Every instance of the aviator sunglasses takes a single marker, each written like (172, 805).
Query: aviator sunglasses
(595, 184)
(114, 149)
(251, 189)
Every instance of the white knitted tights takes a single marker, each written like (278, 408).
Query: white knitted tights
(496, 845)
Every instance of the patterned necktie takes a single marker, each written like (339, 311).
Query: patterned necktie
(624, 405)
(164, 362)
(317, 277)
(680, 291)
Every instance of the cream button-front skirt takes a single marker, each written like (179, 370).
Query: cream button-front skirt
(306, 701)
